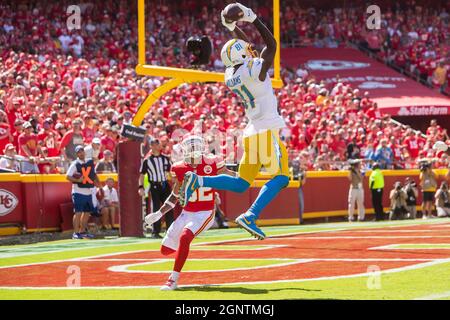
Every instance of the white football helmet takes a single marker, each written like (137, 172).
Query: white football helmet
(193, 148)
(237, 51)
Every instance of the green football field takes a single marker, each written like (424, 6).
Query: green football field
(384, 260)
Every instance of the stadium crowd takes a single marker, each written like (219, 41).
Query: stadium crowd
(412, 37)
(60, 89)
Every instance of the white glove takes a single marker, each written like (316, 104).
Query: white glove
(230, 26)
(153, 217)
(249, 15)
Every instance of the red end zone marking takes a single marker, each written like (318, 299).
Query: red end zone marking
(333, 257)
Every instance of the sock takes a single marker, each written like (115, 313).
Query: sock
(183, 250)
(267, 193)
(174, 276)
(225, 182)
(166, 250)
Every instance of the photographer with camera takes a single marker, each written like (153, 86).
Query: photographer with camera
(411, 200)
(356, 191)
(443, 200)
(398, 202)
(428, 183)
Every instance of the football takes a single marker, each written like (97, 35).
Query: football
(232, 12)
(76, 175)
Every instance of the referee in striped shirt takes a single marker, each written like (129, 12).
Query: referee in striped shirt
(157, 167)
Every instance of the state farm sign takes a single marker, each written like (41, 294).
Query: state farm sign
(8, 202)
(423, 111)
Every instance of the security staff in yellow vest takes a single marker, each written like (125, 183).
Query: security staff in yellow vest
(376, 185)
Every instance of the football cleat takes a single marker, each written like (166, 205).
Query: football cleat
(189, 185)
(170, 285)
(86, 235)
(77, 236)
(247, 221)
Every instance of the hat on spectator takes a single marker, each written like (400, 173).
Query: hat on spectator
(27, 125)
(9, 146)
(96, 141)
(79, 148)
(107, 152)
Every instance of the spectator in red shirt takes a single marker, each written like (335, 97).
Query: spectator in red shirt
(71, 140)
(49, 138)
(5, 130)
(412, 145)
(108, 140)
(29, 148)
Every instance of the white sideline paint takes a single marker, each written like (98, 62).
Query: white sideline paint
(395, 231)
(397, 246)
(203, 247)
(435, 296)
(357, 275)
(124, 268)
(370, 237)
(73, 259)
(17, 252)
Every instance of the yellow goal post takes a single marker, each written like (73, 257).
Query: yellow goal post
(179, 76)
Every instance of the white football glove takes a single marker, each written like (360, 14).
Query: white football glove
(249, 15)
(230, 26)
(153, 217)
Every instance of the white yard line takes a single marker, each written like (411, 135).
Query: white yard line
(435, 296)
(396, 231)
(397, 246)
(407, 268)
(124, 268)
(369, 237)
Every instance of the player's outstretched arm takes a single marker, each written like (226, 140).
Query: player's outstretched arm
(171, 201)
(268, 53)
(239, 34)
(168, 205)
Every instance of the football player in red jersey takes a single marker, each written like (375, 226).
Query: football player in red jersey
(198, 215)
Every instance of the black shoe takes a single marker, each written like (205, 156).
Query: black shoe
(156, 236)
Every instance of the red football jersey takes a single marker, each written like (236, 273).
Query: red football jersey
(203, 198)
